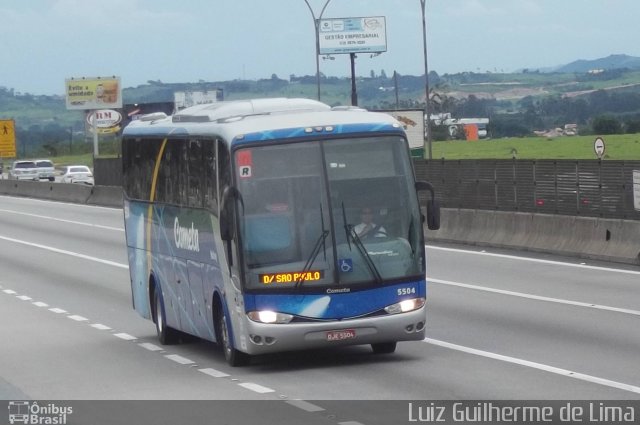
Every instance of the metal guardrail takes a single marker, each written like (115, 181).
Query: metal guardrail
(591, 188)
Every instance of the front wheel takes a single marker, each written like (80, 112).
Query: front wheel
(166, 334)
(232, 356)
(384, 347)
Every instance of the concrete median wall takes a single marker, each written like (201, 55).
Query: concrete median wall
(586, 237)
(108, 196)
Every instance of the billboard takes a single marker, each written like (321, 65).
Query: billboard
(185, 99)
(93, 93)
(353, 35)
(412, 121)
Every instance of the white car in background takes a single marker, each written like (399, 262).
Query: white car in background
(77, 174)
(45, 169)
(23, 170)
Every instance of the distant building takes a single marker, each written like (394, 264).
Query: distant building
(457, 127)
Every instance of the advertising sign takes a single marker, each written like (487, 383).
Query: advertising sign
(353, 35)
(413, 122)
(107, 121)
(7, 139)
(185, 99)
(93, 93)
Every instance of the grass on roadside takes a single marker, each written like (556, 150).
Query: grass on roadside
(617, 147)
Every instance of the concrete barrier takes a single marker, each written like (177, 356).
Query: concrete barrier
(586, 237)
(110, 196)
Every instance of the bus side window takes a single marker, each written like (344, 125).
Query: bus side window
(210, 173)
(194, 174)
(224, 169)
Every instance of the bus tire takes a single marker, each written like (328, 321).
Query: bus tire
(384, 347)
(233, 357)
(166, 334)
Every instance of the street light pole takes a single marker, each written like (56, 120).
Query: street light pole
(316, 23)
(426, 77)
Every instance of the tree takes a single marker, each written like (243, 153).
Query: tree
(606, 124)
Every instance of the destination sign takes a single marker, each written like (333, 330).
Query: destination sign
(290, 277)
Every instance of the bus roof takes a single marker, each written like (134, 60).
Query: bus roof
(243, 121)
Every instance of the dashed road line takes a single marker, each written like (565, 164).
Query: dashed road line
(57, 310)
(9, 291)
(40, 304)
(256, 388)
(213, 372)
(305, 405)
(151, 347)
(24, 297)
(77, 318)
(100, 327)
(179, 359)
(125, 336)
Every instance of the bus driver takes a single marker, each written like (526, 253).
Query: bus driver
(367, 228)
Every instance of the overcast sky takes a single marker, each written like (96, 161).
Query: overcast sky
(45, 41)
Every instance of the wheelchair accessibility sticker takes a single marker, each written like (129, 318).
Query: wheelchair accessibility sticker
(345, 265)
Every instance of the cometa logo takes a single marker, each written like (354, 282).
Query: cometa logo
(185, 237)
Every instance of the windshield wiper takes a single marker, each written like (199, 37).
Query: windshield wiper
(351, 233)
(315, 252)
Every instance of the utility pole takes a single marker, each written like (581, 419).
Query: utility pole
(316, 23)
(427, 112)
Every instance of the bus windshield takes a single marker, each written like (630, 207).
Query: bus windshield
(328, 213)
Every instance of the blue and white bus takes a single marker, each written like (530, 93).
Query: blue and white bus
(241, 223)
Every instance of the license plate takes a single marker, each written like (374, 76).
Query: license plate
(341, 335)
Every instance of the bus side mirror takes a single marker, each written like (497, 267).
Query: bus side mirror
(227, 203)
(433, 206)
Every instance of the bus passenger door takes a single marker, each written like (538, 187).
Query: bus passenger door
(181, 282)
(202, 326)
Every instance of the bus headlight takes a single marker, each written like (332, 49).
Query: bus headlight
(405, 306)
(267, 316)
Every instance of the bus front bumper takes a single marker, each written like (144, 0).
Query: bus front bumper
(269, 338)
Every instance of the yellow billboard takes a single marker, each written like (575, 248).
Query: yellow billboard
(93, 93)
(7, 139)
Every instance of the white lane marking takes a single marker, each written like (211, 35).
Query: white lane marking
(125, 336)
(305, 405)
(535, 260)
(350, 423)
(24, 297)
(179, 359)
(48, 201)
(81, 223)
(77, 318)
(40, 304)
(536, 297)
(100, 327)
(213, 372)
(150, 347)
(62, 251)
(257, 388)
(534, 365)
(9, 291)
(57, 310)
